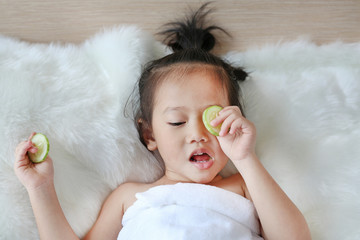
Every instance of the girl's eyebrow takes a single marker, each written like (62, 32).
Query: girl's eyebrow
(171, 109)
(180, 108)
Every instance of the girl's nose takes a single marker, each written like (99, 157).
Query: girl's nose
(198, 133)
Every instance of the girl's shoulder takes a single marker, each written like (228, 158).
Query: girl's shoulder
(127, 191)
(234, 183)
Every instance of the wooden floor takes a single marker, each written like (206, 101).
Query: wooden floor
(251, 22)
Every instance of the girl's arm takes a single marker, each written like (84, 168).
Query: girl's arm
(50, 219)
(38, 181)
(279, 217)
(52, 223)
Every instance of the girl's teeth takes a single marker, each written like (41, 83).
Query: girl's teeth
(201, 158)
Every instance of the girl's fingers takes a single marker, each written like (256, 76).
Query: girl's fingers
(237, 124)
(228, 125)
(230, 109)
(233, 126)
(31, 135)
(21, 159)
(24, 147)
(220, 118)
(217, 121)
(33, 150)
(230, 118)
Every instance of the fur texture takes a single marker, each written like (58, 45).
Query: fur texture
(304, 100)
(75, 95)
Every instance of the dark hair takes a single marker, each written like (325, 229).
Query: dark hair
(191, 42)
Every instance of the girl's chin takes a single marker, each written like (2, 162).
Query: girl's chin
(208, 179)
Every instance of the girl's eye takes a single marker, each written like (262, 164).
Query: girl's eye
(175, 124)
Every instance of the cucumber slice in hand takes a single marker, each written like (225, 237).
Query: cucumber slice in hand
(210, 114)
(42, 144)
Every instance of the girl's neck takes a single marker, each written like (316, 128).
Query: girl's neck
(165, 180)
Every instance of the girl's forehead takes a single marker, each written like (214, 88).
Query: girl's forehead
(181, 73)
(188, 68)
(197, 84)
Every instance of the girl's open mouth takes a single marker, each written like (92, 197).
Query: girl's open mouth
(200, 157)
(202, 160)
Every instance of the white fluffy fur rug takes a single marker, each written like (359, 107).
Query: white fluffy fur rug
(303, 98)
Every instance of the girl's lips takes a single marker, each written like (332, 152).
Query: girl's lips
(201, 159)
(203, 165)
(200, 151)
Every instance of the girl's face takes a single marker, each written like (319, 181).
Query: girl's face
(189, 151)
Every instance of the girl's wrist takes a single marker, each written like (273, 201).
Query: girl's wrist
(246, 157)
(45, 187)
(246, 162)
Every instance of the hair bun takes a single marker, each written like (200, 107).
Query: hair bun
(240, 74)
(191, 32)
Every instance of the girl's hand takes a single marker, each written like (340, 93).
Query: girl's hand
(32, 175)
(237, 135)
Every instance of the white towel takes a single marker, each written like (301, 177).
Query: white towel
(190, 211)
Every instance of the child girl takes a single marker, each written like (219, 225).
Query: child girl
(174, 91)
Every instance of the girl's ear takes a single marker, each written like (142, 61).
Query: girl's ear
(147, 136)
(151, 143)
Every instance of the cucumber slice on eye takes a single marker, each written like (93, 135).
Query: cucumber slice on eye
(210, 114)
(42, 144)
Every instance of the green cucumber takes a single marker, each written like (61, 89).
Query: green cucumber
(41, 142)
(210, 114)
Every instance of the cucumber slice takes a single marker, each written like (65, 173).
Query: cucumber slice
(42, 144)
(210, 114)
